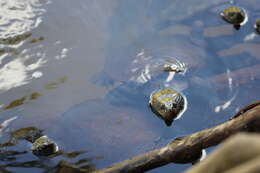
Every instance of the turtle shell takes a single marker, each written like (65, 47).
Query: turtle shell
(234, 15)
(168, 104)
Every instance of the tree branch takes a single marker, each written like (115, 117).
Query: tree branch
(227, 159)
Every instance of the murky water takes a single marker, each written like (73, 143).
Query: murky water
(82, 71)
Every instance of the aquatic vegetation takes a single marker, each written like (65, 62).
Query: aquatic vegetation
(15, 103)
(34, 95)
(36, 40)
(234, 15)
(53, 85)
(20, 101)
(28, 133)
(168, 104)
(16, 39)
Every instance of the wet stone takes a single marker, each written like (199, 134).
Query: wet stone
(168, 104)
(234, 15)
(257, 25)
(43, 146)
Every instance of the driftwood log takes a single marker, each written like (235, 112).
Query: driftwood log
(188, 149)
(238, 154)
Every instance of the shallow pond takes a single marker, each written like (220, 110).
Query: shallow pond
(82, 71)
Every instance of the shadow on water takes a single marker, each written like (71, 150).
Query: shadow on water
(83, 72)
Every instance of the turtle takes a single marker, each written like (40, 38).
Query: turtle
(235, 15)
(40, 145)
(168, 104)
(43, 146)
(257, 25)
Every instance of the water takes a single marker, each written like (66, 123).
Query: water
(82, 71)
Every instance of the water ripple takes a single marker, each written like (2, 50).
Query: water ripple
(19, 16)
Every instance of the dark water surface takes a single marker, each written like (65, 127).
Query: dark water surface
(83, 70)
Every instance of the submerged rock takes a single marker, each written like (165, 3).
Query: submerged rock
(43, 146)
(234, 15)
(168, 104)
(257, 25)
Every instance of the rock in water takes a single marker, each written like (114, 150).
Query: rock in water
(168, 104)
(43, 146)
(234, 15)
